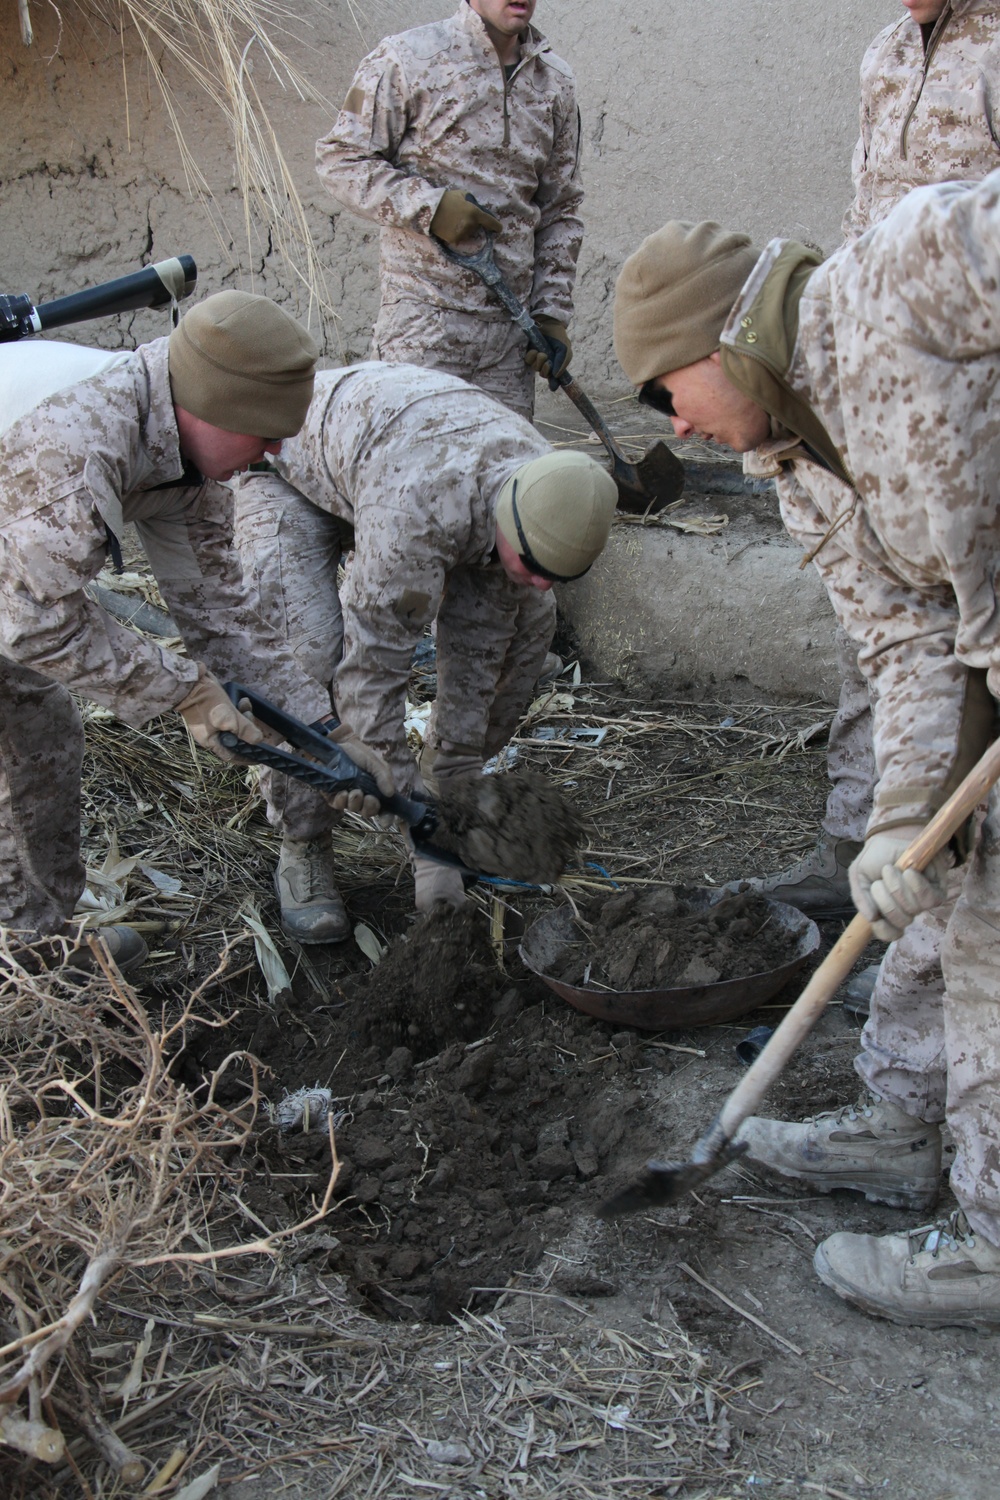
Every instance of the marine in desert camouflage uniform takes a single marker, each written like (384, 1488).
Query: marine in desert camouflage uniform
(872, 380)
(118, 445)
(930, 83)
(423, 471)
(478, 103)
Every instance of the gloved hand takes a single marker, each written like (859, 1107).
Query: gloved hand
(434, 882)
(365, 760)
(437, 764)
(890, 898)
(207, 711)
(538, 361)
(456, 218)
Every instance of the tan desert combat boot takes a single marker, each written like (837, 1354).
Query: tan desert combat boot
(941, 1275)
(872, 1147)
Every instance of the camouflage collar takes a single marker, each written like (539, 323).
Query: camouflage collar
(533, 43)
(758, 343)
(160, 442)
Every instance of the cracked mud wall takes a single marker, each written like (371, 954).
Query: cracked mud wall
(691, 108)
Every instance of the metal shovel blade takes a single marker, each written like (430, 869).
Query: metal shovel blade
(666, 1182)
(659, 481)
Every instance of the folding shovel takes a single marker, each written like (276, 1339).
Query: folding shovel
(665, 1182)
(658, 478)
(331, 770)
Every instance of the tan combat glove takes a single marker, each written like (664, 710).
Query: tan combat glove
(456, 218)
(889, 898)
(434, 882)
(365, 760)
(538, 362)
(207, 711)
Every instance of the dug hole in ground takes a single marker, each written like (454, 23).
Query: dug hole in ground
(461, 1322)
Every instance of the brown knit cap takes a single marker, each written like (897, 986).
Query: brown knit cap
(674, 295)
(242, 363)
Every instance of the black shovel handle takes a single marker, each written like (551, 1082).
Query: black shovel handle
(482, 263)
(335, 772)
(153, 286)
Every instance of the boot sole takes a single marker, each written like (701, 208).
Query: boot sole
(902, 1197)
(928, 1319)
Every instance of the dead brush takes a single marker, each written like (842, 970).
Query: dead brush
(108, 1167)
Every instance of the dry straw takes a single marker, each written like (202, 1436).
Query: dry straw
(221, 44)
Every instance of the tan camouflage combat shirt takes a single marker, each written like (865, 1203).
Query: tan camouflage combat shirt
(94, 456)
(926, 116)
(898, 355)
(413, 460)
(431, 109)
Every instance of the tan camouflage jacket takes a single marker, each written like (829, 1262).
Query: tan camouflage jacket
(429, 110)
(897, 353)
(89, 459)
(926, 116)
(413, 460)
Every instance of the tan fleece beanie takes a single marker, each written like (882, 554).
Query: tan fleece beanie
(674, 295)
(242, 363)
(565, 504)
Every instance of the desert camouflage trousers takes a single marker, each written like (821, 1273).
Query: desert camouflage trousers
(41, 758)
(850, 756)
(487, 352)
(291, 551)
(932, 1043)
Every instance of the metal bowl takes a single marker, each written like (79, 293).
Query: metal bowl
(671, 1009)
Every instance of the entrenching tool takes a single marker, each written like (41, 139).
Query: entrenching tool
(330, 769)
(658, 478)
(665, 1182)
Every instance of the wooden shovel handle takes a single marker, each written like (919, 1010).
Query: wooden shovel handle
(848, 948)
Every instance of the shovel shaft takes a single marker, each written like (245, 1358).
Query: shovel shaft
(838, 963)
(483, 264)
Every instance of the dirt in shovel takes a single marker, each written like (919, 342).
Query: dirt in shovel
(519, 825)
(665, 938)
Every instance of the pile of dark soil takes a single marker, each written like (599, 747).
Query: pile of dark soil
(668, 938)
(520, 825)
(474, 1106)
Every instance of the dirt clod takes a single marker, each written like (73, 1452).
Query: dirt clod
(666, 938)
(520, 826)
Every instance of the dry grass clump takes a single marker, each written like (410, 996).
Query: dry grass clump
(219, 43)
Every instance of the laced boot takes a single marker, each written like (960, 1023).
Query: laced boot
(859, 990)
(817, 883)
(312, 910)
(944, 1274)
(552, 666)
(872, 1147)
(123, 945)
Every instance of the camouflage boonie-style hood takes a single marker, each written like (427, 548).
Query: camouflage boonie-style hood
(759, 339)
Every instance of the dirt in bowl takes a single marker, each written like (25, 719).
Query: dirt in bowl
(667, 938)
(520, 826)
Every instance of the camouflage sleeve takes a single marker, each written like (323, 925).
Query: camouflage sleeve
(475, 630)
(560, 229)
(190, 549)
(858, 216)
(356, 161)
(922, 717)
(392, 592)
(48, 623)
